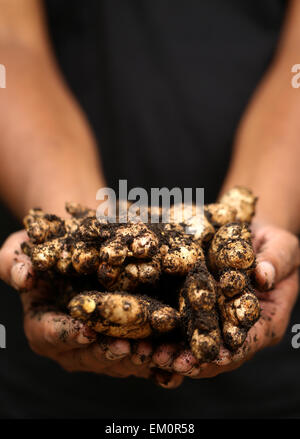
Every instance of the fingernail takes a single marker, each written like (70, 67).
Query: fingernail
(18, 275)
(82, 339)
(110, 356)
(267, 271)
(165, 363)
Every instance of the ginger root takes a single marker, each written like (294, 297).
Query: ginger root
(241, 199)
(238, 315)
(123, 315)
(197, 306)
(209, 262)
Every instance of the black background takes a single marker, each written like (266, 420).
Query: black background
(162, 117)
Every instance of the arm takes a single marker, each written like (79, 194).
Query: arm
(266, 158)
(48, 156)
(266, 152)
(47, 150)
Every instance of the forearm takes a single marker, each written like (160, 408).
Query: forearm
(47, 152)
(266, 151)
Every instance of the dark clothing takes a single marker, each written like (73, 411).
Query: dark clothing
(164, 84)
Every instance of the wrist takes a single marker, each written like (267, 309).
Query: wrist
(276, 217)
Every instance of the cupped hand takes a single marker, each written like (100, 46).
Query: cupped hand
(56, 335)
(276, 274)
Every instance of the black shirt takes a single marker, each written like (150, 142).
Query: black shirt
(164, 85)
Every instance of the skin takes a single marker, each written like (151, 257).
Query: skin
(266, 149)
(280, 250)
(71, 344)
(266, 159)
(53, 132)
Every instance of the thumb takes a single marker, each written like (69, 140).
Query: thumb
(278, 255)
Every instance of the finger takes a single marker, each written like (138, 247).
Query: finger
(193, 373)
(114, 349)
(119, 368)
(15, 266)
(278, 255)
(164, 355)
(168, 380)
(89, 359)
(185, 363)
(139, 371)
(265, 275)
(22, 274)
(228, 361)
(259, 336)
(277, 305)
(142, 352)
(93, 359)
(50, 333)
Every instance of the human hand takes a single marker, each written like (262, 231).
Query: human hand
(277, 253)
(55, 335)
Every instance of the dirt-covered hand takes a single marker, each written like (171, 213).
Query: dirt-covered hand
(276, 273)
(55, 335)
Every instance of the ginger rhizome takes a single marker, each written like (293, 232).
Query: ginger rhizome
(123, 315)
(140, 280)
